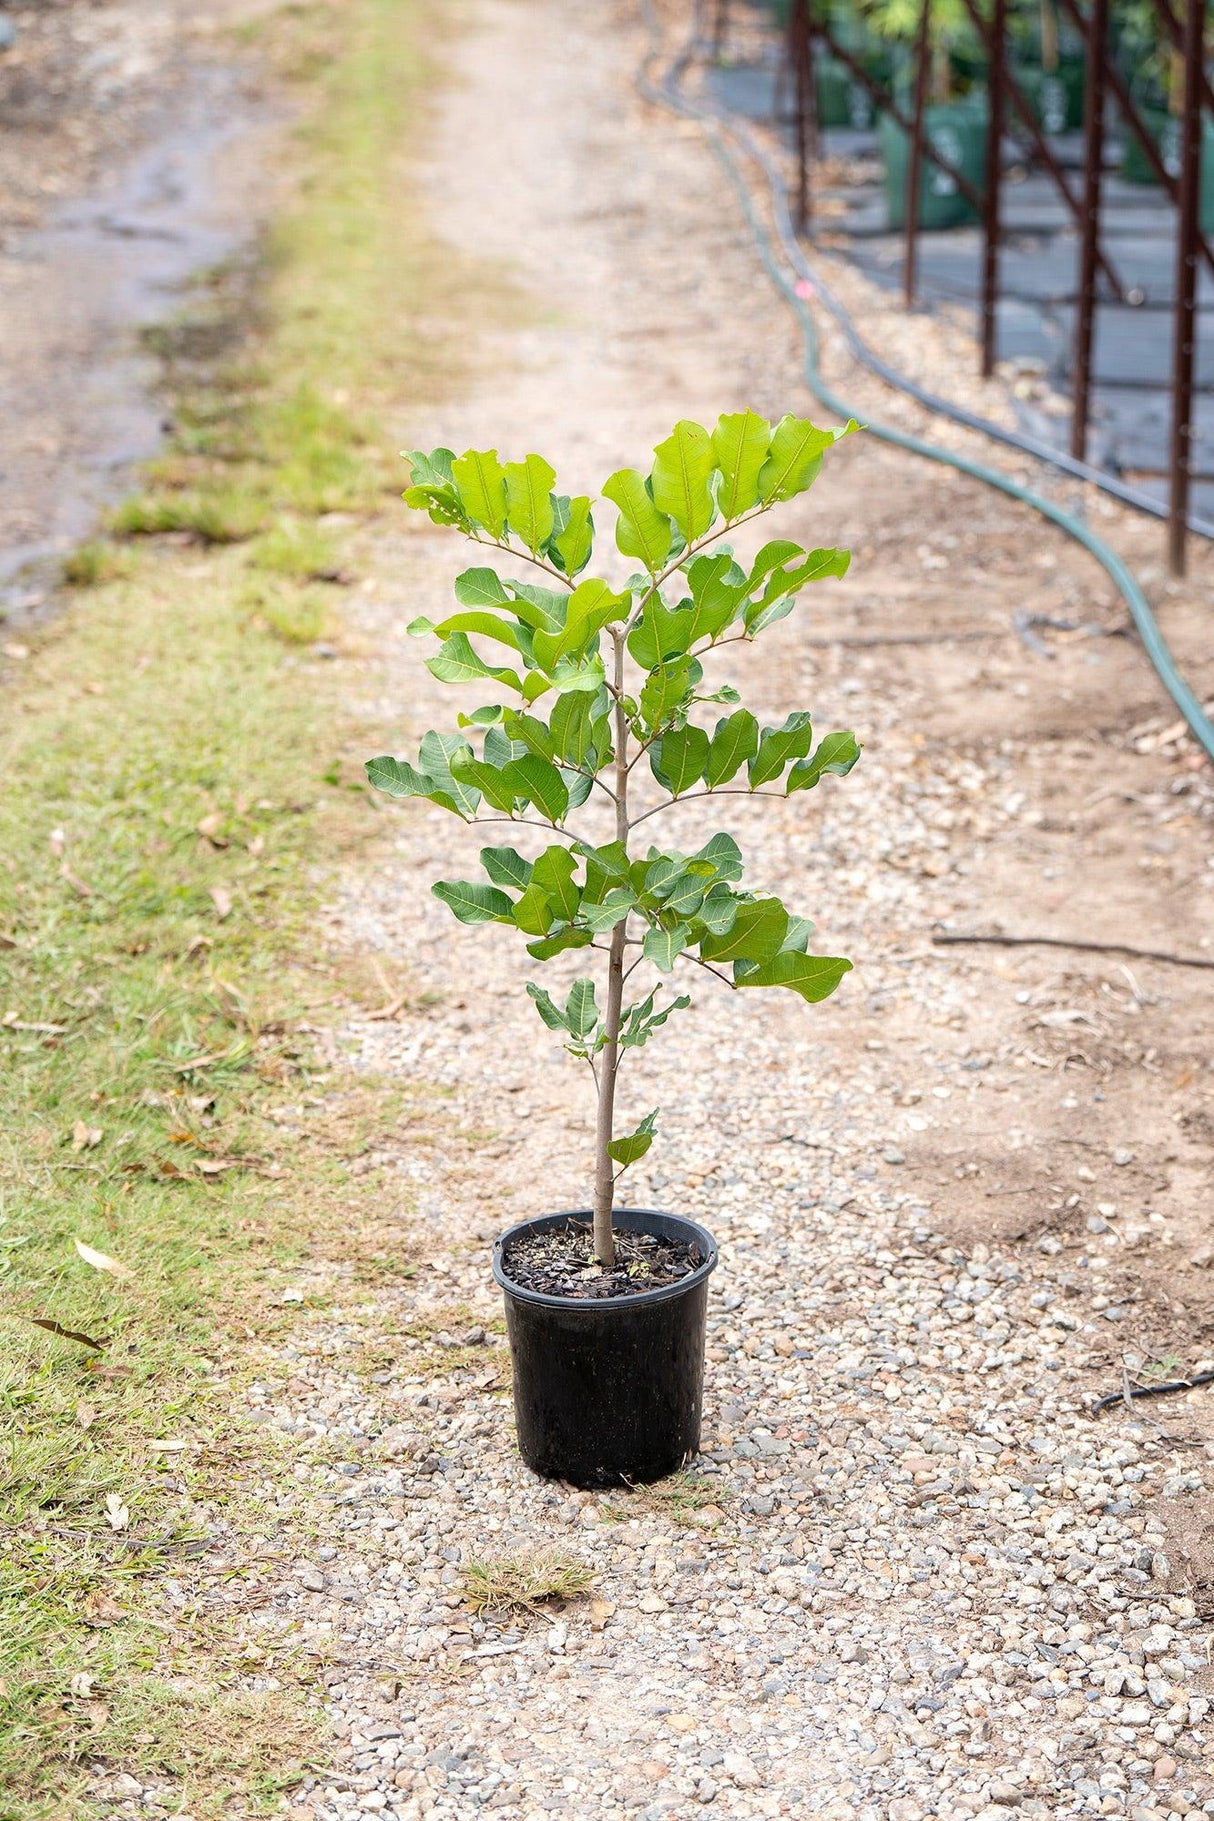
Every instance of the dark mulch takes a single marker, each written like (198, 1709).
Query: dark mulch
(562, 1263)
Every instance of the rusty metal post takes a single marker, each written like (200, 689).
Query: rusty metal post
(1181, 453)
(914, 162)
(1093, 175)
(994, 178)
(800, 56)
(720, 27)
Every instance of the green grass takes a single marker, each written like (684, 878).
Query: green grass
(513, 1584)
(164, 837)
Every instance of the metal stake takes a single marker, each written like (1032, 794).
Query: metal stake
(1093, 121)
(1181, 453)
(994, 175)
(915, 160)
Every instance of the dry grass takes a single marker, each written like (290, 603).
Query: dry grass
(681, 1498)
(525, 1583)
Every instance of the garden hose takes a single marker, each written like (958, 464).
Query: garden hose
(716, 129)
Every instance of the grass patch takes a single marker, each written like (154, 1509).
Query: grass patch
(164, 835)
(682, 1499)
(525, 1583)
(94, 562)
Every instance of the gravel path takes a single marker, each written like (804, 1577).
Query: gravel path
(926, 1582)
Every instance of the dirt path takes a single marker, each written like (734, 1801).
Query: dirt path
(951, 1202)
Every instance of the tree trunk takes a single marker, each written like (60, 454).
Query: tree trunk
(604, 1172)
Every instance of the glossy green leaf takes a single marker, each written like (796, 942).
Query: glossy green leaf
(553, 872)
(667, 691)
(490, 780)
(548, 946)
(592, 605)
(481, 480)
(397, 778)
(718, 587)
(756, 934)
(779, 595)
(527, 731)
(481, 588)
(661, 632)
(686, 895)
(528, 500)
(724, 855)
(718, 910)
(605, 915)
(541, 783)
(739, 449)
(533, 912)
(500, 749)
(641, 1021)
(572, 537)
(796, 936)
(435, 756)
(543, 609)
(547, 1008)
(506, 867)
(606, 868)
(678, 759)
(573, 727)
(628, 1150)
(641, 530)
(664, 946)
(682, 466)
(814, 977)
(837, 753)
(473, 902)
(795, 456)
(580, 1009)
(482, 717)
(457, 662)
(579, 784)
(488, 624)
(735, 742)
(779, 745)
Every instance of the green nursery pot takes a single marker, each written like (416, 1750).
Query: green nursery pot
(1165, 130)
(958, 130)
(842, 100)
(1057, 97)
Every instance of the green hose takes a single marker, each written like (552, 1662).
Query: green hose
(1121, 576)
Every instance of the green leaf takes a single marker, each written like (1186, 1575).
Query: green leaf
(433, 470)
(488, 624)
(436, 754)
(528, 500)
(541, 608)
(779, 596)
(739, 448)
(813, 976)
(481, 588)
(549, 946)
(553, 872)
(661, 632)
(605, 915)
(533, 912)
(718, 587)
(397, 778)
(482, 487)
(572, 537)
(579, 784)
(641, 1021)
(482, 717)
(457, 662)
(547, 1008)
(490, 780)
(756, 934)
(837, 753)
(664, 946)
(682, 466)
(505, 867)
(678, 759)
(605, 867)
(719, 909)
(472, 902)
(667, 691)
(580, 1009)
(641, 530)
(777, 745)
(573, 727)
(628, 1150)
(724, 855)
(592, 605)
(527, 731)
(541, 783)
(500, 749)
(796, 936)
(735, 741)
(795, 456)
(585, 673)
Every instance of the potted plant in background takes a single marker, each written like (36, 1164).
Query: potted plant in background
(954, 120)
(603, 716)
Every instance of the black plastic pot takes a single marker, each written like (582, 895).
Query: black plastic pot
(609, 1391)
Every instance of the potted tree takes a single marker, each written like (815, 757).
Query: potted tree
(602, 717)
(954, 120)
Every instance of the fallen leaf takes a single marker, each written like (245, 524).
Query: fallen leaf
(82, 1684)
(98, 1714)
(101, 1261)
(210, 826)
(169, 1446)
(175, 1173)
(100, 1610)
(196, 944)
(600, 1612)
(57, 841)
(57, 1327)
(100, 1371)
(11, 1022)
(257, 846)
(292, 1296)
(215, 1166)
(116, 1512)
(85, 1137)
(200, 1103)
(221, 898)
(86, 1415)
(7, 941)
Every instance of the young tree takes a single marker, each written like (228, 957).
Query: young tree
(598, 678)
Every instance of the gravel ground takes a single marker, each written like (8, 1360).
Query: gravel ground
(920, 1579)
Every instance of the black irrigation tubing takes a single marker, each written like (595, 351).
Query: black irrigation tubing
(715, 128)
(1175, 1384)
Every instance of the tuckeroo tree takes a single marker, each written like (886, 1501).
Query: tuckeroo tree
(600, 677)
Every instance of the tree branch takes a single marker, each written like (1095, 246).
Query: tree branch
(773, 795)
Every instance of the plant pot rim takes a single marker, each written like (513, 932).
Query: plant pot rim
(638, 1221)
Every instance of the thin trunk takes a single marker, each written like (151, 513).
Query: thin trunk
(1049, 37)
(604, 1174)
